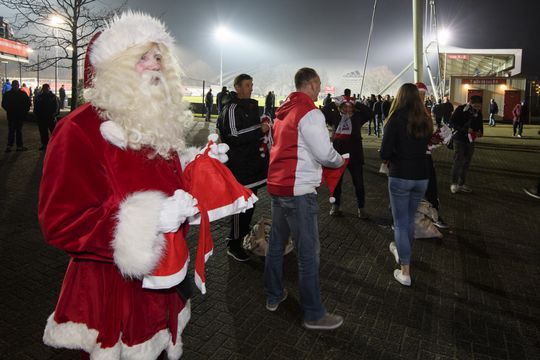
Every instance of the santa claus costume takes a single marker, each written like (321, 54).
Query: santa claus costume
(104, 186)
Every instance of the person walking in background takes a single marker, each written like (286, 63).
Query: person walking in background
(209, 102)
(467, 124)
(25, 89)
(269, 104)
(45, 109)
(240, 126)
(406, 136)
(6, 87)
(62, 95)
(519, 114)
(432, 191)
(493, 110)
(447, 110)
(327, 100)
(377, 111)
(17, 104)
(370, 103)
(347, 124)
(219, 99)
(301, 147)
(436, 111)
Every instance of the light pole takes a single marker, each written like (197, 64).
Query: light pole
(5, 69)
(221, 34)
(55, 21)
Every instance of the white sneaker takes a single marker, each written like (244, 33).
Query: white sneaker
(393, 250)
(454, 188)
(402, 279)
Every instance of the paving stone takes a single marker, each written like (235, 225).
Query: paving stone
(475, 293)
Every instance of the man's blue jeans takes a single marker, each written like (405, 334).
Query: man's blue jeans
(491, 119)
(297, 216)
(405, 196)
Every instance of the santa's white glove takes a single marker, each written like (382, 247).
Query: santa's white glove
(175, 210)
(219, 151)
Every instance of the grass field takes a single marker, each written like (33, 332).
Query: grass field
(199, 99)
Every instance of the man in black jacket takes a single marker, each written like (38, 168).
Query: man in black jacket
(493, 110)
(467, 124)
(378, 111)
(219, 99)
(347, 122)
(45, 109)
(241, 127)
(16, 103)
(209, 103)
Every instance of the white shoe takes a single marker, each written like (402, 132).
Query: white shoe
(393, 250)
(454, 188)
(402, 279)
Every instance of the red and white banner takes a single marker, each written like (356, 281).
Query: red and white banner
(485, 81)
(15, 48)
(329, 90)
(458, 56)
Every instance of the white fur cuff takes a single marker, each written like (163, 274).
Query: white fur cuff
(137, 243)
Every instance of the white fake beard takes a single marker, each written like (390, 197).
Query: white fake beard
(148, 106)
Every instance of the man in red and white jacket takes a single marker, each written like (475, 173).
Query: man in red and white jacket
(301, 147)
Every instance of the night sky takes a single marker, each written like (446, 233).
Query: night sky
(308, 33)
(287, 30)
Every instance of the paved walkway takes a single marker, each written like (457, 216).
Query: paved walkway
(475, 293)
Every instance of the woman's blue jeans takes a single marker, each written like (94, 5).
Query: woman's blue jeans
(405, 196)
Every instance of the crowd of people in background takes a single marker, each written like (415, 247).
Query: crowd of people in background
(18, 100)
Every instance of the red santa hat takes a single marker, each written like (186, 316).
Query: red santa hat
(88, 67)
(331, 176)
(218, 195)
(421, 87)
(126, 31)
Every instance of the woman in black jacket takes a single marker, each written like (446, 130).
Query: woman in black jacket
(406, 136)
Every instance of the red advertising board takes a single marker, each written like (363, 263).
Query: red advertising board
(329, 90)
(480, 81)
(458, 56)
(13, 48)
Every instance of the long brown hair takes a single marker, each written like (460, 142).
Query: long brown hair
(419, 123)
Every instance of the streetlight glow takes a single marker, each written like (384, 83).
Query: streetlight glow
(444, 36)
(55, 20)
(222, 33)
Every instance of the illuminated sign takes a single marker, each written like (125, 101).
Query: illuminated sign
(15, 48)
(480, 81)
(459, 56)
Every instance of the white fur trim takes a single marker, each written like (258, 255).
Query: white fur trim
(126, 31)
(165, 282)
(213, 137)
(114, 134)
(238, 206)
(174, 351)
(188, 155)
(137, 243)
(200, 284)
(78, 336)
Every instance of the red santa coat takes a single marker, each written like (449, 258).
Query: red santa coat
(100, 203)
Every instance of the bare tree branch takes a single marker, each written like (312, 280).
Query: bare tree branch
(79, 21)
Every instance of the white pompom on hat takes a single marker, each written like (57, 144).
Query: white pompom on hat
(126, 31)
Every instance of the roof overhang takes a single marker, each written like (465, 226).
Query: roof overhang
(478, 62)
